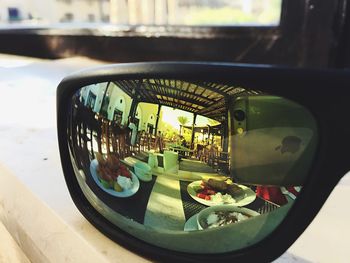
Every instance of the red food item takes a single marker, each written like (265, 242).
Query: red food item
(207, 197)
(208, 192)
(125, 173)
(200, 195)
(110, 168)
(211, 192)
(115, 175)
(204, 191)
(205, 186)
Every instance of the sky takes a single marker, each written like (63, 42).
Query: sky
(170, 116)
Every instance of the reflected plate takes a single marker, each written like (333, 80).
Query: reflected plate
(145, 178)
(249, 196)
(125, 193)
(191, 224)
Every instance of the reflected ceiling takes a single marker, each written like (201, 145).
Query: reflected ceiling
(206, 98)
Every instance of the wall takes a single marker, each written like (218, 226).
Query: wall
(116, 94)
(118, 99)
(147, 109)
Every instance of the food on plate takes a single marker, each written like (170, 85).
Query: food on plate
(112, 173)
(235, 191)
(105, 183)
(224, 192)
(221, 215)
(218, 185)
(221, 218)
(117, 187)
(100, 159)
(222, 199)
(124, 182)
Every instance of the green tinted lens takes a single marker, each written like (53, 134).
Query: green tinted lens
(190, 166)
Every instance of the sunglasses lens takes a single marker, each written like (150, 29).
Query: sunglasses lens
(189, 166)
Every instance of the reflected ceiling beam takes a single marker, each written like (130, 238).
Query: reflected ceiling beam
(175, 89)
(184, 95)
(180, 98)
(146, 97)
(215, 87)
(218, 104)
(177, 106)
(123, 87)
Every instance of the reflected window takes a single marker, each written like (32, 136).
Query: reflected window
(91, 100)
(118, 116)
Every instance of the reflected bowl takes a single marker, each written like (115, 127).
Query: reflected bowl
(143, 171)
(208, 216)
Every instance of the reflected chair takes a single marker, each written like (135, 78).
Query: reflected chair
(223, 162)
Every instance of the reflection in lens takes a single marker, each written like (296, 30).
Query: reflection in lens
(239, 115)
(183, 164)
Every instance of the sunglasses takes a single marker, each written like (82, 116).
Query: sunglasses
(203, 161)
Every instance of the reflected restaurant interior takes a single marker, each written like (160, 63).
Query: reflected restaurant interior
(154, 156)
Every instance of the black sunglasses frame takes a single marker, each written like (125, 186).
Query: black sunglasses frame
(325, 93)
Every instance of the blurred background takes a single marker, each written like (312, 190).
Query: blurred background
(141, 12)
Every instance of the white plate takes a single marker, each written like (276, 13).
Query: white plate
(249, 196)
(191, 224)
(125, 193)
(144, 177)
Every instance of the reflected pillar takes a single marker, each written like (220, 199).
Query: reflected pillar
(157, 119)
(193, 124)
(135, 99)
(224, 126)
(133, 108)
(104, 119)
(225, 135)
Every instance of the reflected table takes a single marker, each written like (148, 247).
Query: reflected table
(191, 207)
(162, 202)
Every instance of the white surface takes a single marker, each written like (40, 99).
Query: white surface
(327, 239)
(29, 149)
(38, 230)
(9, 249)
